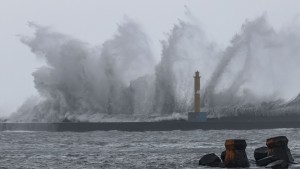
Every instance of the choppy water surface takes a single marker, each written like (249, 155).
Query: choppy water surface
(116, 149)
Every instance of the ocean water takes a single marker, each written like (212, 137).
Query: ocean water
(116, 149)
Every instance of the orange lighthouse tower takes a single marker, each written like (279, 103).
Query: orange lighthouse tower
(197, 92)
(197, 115)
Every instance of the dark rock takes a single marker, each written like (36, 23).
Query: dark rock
(235, 155)
(236, 144)
(221, 165)
(278, 147)
(211, 160)
(223, 155)
(293, 162)
(290, 157)
(260, 153)
(265, 161)
(279, 141)
(283, 153)
(279, 164)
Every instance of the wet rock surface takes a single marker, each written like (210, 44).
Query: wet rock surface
(265, 161)
(211, 160)
(235, 155)
(260, 153)
(275, 155)
(278, 147)
(279, 164)
(278, 153)
(223, 155)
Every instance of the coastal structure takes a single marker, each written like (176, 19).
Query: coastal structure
(196, 120)
(197, 115)
(197, 92)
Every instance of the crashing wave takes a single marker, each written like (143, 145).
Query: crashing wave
(121, 81)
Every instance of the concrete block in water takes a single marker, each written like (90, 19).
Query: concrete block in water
(279, 141)
(211, 160)
(279, 164)
(235, 155)
(260, 153)
(278, 147)
(265, 161)
(223, 155)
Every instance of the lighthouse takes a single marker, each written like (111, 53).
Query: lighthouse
(197, 92)
(197, 115)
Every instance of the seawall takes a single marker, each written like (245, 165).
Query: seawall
(149, 126)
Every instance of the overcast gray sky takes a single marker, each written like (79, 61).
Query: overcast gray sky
(94, 21)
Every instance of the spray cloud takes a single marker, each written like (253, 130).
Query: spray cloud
(122, 82)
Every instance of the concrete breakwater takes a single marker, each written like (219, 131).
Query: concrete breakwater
(150, 126)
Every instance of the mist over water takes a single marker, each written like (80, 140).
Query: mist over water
(121, 80)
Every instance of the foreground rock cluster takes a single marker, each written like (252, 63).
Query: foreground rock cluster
(275, 155)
